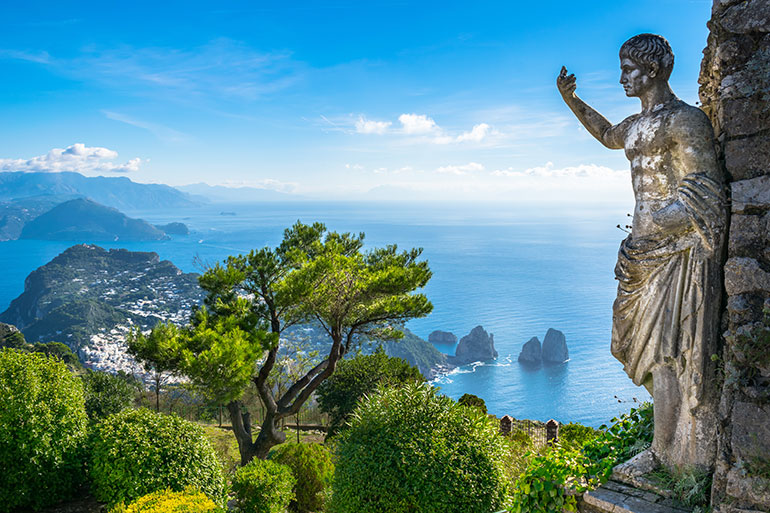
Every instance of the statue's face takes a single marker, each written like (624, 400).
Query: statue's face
(633, 77)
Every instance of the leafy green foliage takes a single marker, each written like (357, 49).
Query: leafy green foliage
(359, 376)
(190, 500)
(690, 486)
(409, 449)
(263, 486)
(220, 353)
(106, 394)
(574, 436)
(629, 435)
(42, 430)
(549, 482)
(553, 477)
(136, 452)
(473, 401)
(312, 467)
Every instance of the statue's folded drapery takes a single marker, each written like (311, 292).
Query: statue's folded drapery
(660, 310)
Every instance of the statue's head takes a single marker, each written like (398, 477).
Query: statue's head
(644, 60)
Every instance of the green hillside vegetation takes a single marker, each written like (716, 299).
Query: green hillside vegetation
(87, 290)
(84, 220)
(418, 352)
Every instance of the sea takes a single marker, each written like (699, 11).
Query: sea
(516, 270)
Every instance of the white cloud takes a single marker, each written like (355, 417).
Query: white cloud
(417, 124)
(461, 170)
(476, 134)
(547, 171)
(368, 126)
(355, 167)
(78, 158)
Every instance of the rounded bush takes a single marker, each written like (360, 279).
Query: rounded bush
(410, 449)
(106, 394)
(136, 452)
(42, 430)
(263, 486)
(312, 467)
(168, 501)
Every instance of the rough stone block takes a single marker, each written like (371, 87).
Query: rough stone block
(748, 16)
(744, 275)
(748, 490)
(745, 116)
(752, 195)
(751, 430)
(748, 157)
(744, 308)
(748, 235)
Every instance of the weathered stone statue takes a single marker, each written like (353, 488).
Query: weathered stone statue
(666, 315)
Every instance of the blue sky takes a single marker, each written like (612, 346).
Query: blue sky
(449, 100)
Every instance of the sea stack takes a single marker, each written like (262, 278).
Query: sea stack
(442, 337)
(531, 352)
(555, 347)
(478, 345)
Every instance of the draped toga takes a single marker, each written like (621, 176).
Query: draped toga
(664, 281)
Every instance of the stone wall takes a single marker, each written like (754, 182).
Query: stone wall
(735, 93)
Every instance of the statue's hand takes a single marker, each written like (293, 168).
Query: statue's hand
(566, 83)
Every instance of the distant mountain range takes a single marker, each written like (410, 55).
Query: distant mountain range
(117, 192)
(221, 194)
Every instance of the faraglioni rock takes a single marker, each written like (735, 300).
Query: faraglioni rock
(555, 347)
(442, 337)
(531, 351)
(476, 346)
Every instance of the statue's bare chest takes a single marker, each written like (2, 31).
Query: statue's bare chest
(645, 136)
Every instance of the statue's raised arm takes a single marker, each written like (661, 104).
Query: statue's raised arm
(596, 124)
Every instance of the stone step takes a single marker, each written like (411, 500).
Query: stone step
(615, 497)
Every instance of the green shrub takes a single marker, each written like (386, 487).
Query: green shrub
(263, 486)
(629, 435)
(106, 394)
(168, 501)
(410, 449)
(473, 401)
(359, 376)
(549, 482)
(42, 430)
(575, 436)
(136, 452)
(313, 469)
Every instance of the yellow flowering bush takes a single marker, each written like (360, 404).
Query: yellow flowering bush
(167, 501)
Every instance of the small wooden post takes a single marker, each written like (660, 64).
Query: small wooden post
(505, 425)
(551, 432)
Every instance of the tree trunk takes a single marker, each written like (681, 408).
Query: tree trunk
(242, 436)
(268, 437)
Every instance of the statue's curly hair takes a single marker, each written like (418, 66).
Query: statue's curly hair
(645, 49)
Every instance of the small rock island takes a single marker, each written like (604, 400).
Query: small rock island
(478, 345)
(553, 350)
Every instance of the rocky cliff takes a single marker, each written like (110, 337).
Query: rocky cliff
(442, 338)
(555, 347)
(531, 352)
(735, 93)
(478, 345)
(419, 353)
